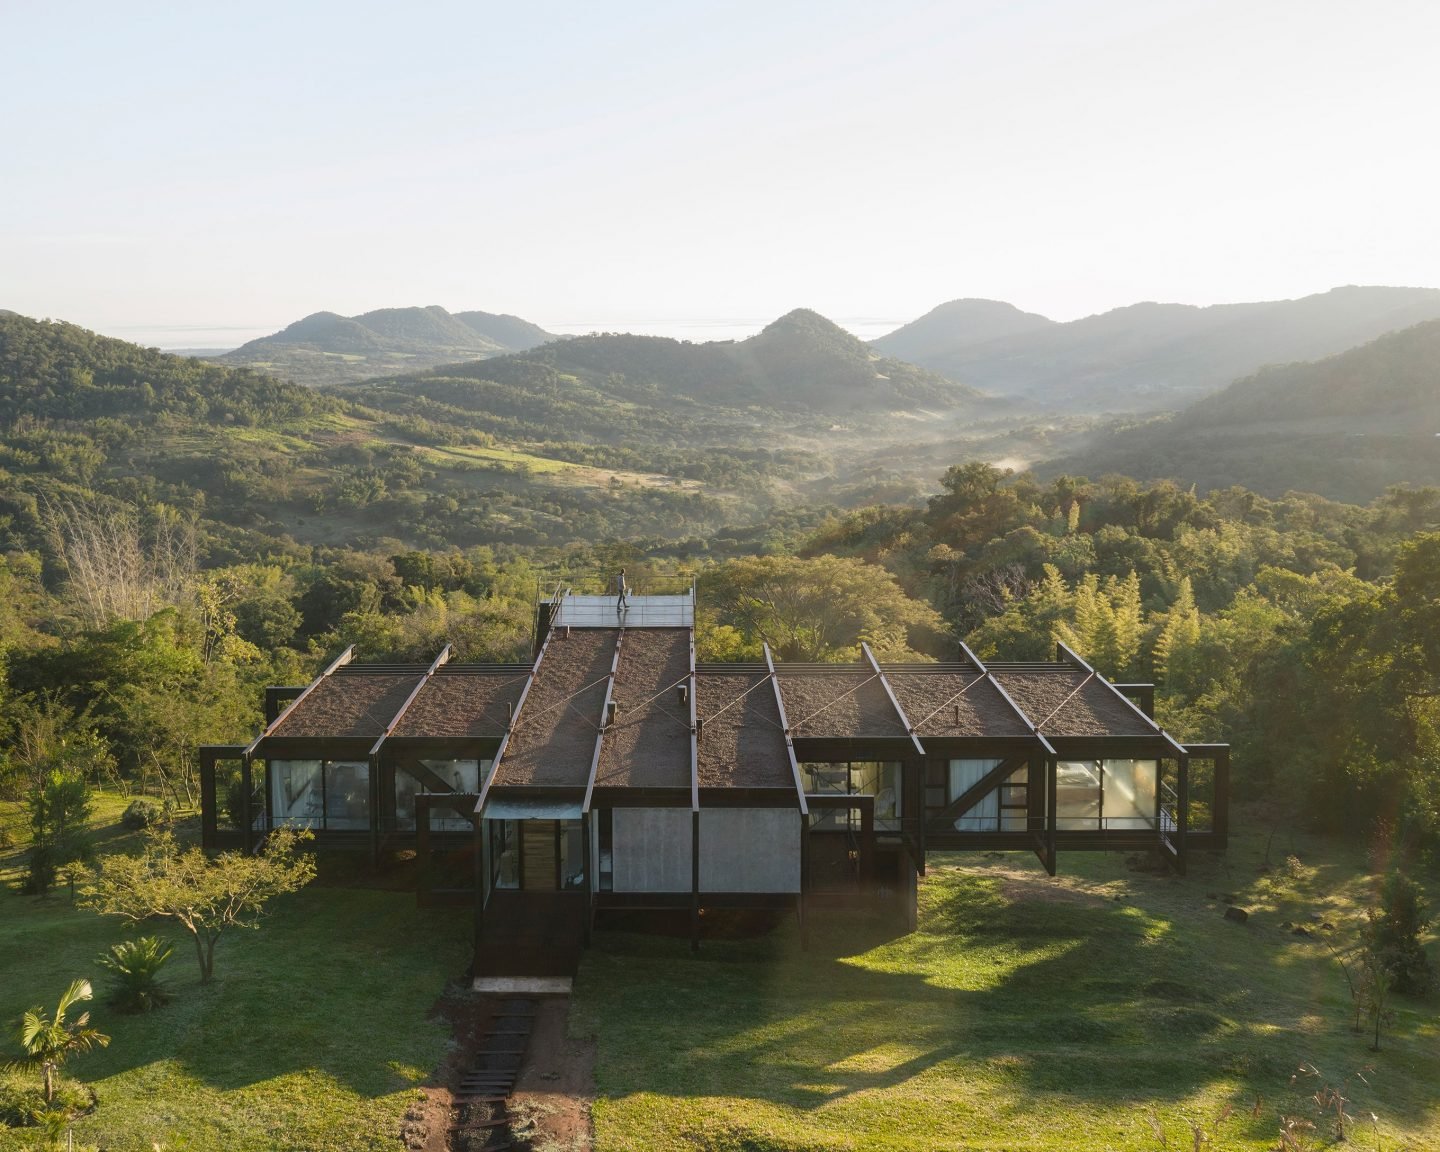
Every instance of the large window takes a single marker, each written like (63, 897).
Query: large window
(456, 775)
(880, 779)
(1003, 809)
(331, 795)
(1116, 795)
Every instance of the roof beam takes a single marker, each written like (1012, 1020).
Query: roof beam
(339, 662)
(894, 702)
(604, 714)
(694, 723)
(785, 727)
(439, 660)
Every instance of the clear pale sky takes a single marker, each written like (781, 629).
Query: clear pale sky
(617, 164)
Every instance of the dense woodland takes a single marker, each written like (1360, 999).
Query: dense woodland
(156, 576)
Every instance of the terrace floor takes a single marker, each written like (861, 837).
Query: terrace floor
(640, 612)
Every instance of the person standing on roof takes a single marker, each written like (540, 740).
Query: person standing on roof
(622, 593)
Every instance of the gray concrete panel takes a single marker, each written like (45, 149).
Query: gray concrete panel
(749, 850)
(651, 849)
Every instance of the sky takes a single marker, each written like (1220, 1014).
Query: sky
(196, 174)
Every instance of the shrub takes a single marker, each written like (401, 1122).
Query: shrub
(22, 1106)
(142, 814)
(134, 967)
(1395, 934)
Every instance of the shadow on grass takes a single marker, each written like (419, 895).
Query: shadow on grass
(1101, 1001)
(339, 984)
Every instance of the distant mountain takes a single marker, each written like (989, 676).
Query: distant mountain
(1148, 357)
(326, 348)
(802, 362)
(509, 332)
(955, 325)
(1346, 427)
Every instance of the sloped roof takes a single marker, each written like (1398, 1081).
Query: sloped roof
(742, 743)
(352, 703)
(553, 741)
(648, 746)
(837, 702)
(954, 701)
(464, 701)
(1067, 701)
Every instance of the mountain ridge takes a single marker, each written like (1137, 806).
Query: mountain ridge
(1346, 426)
(1153, 356)
(327, 348)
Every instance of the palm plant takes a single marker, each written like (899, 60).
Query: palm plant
(50, 1040)
(134, 965)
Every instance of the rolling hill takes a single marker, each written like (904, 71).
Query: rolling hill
(326, 348)
(1346, 427)
(801, 364)
(1146, 357)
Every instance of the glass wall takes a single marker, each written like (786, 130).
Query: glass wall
(1077, 795)
(880, 779)
(1130, 787)
(347, 794)
(1003, 810)
(1119, 795)
(331, 795)
(297, 792)
(459, 775)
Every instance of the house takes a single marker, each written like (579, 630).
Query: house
(615, 772)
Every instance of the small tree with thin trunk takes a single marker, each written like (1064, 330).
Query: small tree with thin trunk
(204, 896)
(49, 1040)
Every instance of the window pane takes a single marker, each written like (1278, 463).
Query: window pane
(984, 815)
(295, 795)
(1130, 793)
(1077, 795)
(347, 794)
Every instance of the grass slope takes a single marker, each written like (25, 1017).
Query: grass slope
(1025, 1014)
(314, 1035)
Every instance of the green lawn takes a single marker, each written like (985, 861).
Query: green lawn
(1025, 1014)
(313, 1036)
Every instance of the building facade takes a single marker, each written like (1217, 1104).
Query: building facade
(614, 772)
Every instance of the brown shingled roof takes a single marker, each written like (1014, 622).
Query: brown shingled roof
(983, 710)
(460, 702)
(353, 705)
(742, 744)
(1087, 706)
(649, 744)
(553, 740)
(837, 705)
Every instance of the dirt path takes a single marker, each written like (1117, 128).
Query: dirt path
(557, 1083)
(550, 1107)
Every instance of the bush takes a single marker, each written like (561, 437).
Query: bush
(142, 814)
(1396, 935)
(134, 967)
(24, 1106)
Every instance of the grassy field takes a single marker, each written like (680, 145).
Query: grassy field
(1027, 1013)
(313, 1036)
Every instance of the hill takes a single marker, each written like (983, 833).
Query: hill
(536, 458)
(958, 324)
(1148, 357)
(802, 364)
(326, 348)
(1345, 427)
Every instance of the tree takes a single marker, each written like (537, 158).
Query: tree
(820, 608)
(204, 896)
(58, 809)
(49, 1041)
